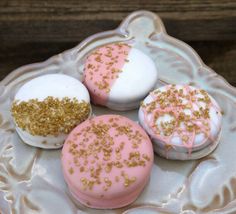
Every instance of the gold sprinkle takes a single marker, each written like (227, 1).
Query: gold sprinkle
(174, 98)
(50, 116)
(81, 169)
(103, 156)
(71, 170)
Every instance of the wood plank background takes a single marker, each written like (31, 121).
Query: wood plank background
(32, 31)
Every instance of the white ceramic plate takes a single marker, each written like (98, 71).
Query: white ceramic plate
(31, 180)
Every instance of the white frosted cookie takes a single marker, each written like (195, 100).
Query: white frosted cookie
(119, 76)
(47, 108)
(184, 122)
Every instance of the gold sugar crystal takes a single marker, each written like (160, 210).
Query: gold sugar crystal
(51, 116)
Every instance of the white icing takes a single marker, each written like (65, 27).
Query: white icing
(215, 128)
(139, 76)
(177, 155)
(48, 142)
(57, 86)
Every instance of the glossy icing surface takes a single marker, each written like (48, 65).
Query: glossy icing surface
(102, 68)
(113, 74)
(180, 118)
(107, 161)
(45, 109)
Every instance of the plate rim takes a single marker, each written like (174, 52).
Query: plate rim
(121, 29)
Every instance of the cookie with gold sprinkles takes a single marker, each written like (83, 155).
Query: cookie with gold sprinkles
(107, 161)
(47, 108)
(119, 76)
(183, 122)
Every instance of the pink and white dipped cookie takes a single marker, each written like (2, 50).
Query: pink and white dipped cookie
(184, 122)
(107, 161)
(119, 76)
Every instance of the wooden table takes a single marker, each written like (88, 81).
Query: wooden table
(32, 31)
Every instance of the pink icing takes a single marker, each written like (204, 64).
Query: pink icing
(86, 151)
(201, 123)
(109, 203)
(102, 68)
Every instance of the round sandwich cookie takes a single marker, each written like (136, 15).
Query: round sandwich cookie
(107, 161)
(47, 108)
(183, 122)
(119, 76)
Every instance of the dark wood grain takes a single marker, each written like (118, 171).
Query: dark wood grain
(219, 56)
(73, 20)
(32, 31)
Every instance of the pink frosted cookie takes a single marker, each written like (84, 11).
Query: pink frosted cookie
(184, 122)
(107, 161)
(119, 76)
